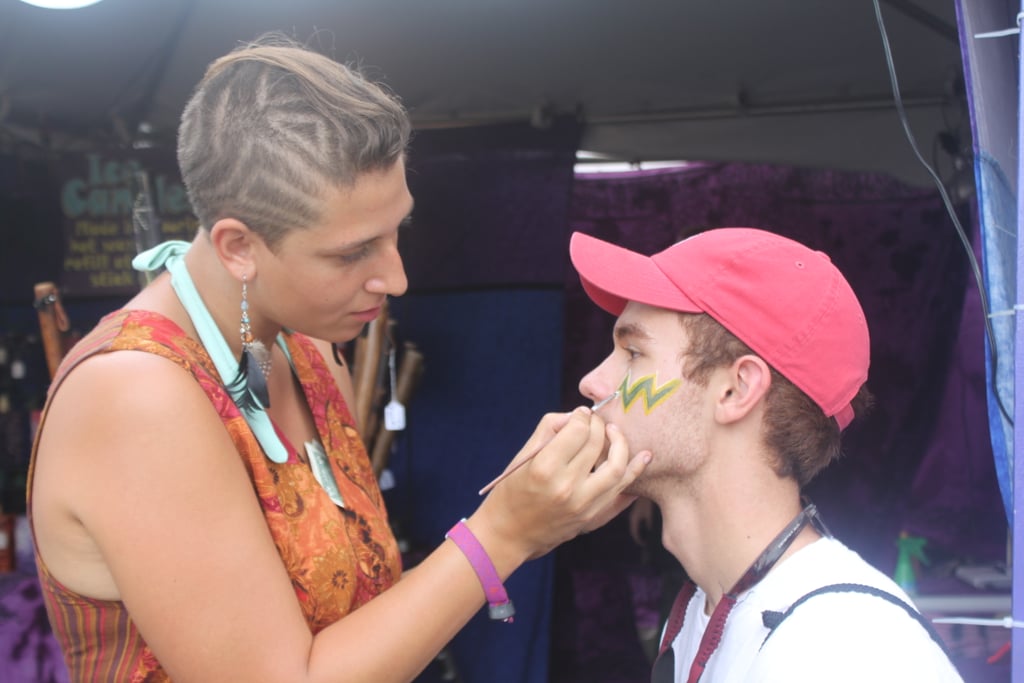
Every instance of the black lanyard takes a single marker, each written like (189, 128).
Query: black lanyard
(664, 665)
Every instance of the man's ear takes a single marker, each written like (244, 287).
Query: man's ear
(234, 244)
(745, 384)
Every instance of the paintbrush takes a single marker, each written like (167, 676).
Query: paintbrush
(501, 477)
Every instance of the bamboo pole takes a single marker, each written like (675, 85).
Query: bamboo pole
(369, 349)
(380, 387)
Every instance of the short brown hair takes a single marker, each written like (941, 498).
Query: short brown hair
(802, 438)
(273, 125)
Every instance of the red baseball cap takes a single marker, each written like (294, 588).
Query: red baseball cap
(787, 302)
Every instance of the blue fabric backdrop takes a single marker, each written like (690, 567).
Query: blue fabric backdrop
(485, 257)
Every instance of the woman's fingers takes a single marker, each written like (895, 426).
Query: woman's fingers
(546, 430)
(548, 427)
(572, 484)
(612, 476)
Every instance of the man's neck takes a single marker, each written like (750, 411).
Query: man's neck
(719, 527)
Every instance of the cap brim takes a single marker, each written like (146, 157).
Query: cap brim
(613, 276)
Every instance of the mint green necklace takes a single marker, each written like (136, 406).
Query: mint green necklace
(171, 255)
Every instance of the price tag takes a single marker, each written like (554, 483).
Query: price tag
(394, 416)
(394, 412)
(386, 480)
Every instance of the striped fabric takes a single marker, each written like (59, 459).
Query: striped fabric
(355, 553)
(98, 639)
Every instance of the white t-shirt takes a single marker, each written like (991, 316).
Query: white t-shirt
(835, 637)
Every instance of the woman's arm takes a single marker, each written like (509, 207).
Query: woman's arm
(148, 472)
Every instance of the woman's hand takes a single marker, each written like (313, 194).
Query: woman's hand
(572, 484)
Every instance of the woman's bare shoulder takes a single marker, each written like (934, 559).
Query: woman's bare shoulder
(168, 521)
(114, 406)
(125, 439)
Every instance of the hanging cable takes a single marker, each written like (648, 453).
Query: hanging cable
(975, 269)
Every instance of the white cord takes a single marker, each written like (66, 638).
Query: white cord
(1007, 312)
(1004, 32)
(1005, 622)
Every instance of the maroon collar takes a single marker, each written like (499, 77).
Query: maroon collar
(664, 665)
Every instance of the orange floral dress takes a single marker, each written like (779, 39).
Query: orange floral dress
(337, 558)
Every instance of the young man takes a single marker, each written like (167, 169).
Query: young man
(739, 358)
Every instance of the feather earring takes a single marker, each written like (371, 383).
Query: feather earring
(337, 353)
(253, 366)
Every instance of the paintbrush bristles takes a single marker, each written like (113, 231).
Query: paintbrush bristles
(603, 401)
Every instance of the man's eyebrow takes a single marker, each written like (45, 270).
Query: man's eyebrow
(627, 331)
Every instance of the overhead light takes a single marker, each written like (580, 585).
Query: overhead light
(61, 4)
(595, 162)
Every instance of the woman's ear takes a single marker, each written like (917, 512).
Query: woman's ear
(745, 384)
(234, 244)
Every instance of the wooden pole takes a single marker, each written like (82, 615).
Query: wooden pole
(381, 386)
(369, 349)
(53, 324)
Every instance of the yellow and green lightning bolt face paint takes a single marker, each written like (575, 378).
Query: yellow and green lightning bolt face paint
(644, 388)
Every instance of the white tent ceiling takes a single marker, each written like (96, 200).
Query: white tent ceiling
(796, 81)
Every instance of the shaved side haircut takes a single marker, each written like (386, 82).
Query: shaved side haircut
(273, 126)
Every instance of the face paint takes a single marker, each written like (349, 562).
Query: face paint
(644, 387)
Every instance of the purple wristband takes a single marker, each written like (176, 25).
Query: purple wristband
(498, 605)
